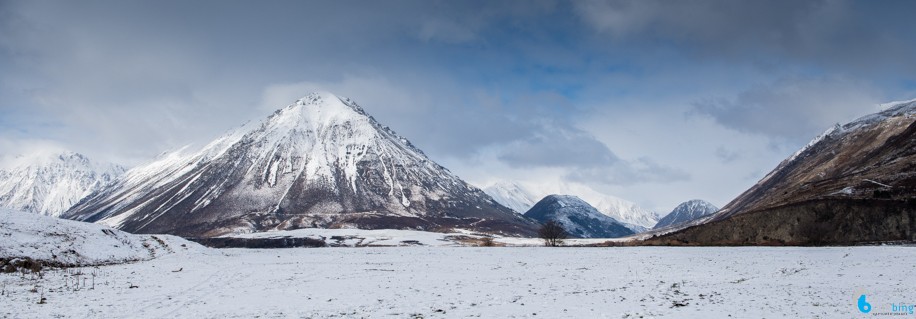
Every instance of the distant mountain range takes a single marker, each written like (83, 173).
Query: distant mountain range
(319, 162)
(48, 183)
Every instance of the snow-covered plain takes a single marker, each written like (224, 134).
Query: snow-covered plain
(459, 282)
(352, 237)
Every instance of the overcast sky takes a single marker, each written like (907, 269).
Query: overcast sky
(657, 102)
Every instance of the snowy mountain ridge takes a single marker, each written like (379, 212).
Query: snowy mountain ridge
(48, 183)
(838, 131)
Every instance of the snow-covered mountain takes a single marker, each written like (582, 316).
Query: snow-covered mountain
(869, 153)
(635, 217)
(854, 183)
(319, 162)
(512, 195)
(48, 183)
(686, 212)
(521, 198)
(578, 218)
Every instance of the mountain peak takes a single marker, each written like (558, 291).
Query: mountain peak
(319, 162)
(329, 102)
(316, 111)
(565, 200)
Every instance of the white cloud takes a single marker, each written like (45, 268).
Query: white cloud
(13, 148)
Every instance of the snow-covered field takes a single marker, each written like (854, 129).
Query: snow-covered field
(494, 282)
(371, 238)
(351, 237)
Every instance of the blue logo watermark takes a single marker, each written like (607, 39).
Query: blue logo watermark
(864, 306)
(895, 309)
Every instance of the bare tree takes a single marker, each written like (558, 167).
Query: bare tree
(552, 233)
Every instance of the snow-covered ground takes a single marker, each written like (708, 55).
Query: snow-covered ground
(66, 242)
(352, 237)
(459, 282)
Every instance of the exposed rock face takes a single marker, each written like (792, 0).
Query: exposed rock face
(821, 221)
(320, 162)
(856, 182)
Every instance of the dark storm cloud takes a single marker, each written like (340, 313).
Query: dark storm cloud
(860, 36)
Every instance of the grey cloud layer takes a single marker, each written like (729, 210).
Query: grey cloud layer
(859, 36)
(794, 109)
